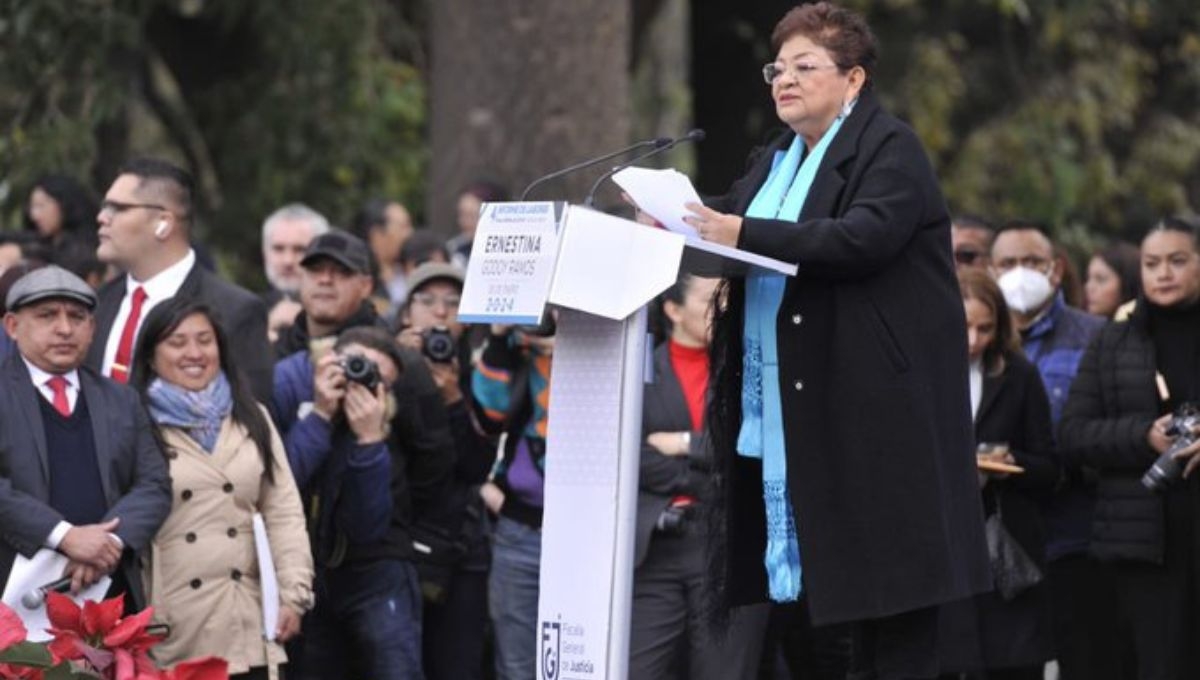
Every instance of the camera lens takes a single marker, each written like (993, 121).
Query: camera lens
(361, 370)
(438, 344)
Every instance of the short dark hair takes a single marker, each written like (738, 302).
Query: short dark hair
(176, 183)
(843, 32)
(1026, 224)
(421, 246)
(371, 216)
(159, 324)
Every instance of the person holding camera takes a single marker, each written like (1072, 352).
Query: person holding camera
(456, 615)
(676, 465)
(1136, 373)
(379, 612)
(355, 484)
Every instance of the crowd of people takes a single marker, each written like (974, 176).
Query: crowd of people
(925, 455)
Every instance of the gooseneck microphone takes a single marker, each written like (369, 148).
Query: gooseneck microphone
(656, 143)
(34, 598)
(695, 135)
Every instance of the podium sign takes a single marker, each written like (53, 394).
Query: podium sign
(512, 263)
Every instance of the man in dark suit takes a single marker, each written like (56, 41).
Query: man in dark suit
(145, 219)
(80, 471)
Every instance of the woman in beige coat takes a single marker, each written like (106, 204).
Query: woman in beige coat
(227, 463)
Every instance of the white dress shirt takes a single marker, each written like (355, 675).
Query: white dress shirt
(976, 374)
(162, 286)
(40, 378)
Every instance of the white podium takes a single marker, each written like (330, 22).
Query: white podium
(599, 271)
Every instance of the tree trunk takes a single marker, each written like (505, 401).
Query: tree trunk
(521, 88)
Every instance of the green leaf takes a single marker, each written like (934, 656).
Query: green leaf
(64, 671)
(27, 654)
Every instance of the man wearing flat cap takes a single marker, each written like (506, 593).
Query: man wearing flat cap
(80, 471)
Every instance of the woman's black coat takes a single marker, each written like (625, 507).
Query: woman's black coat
(1113, 402)
(873, 366)
(1013, 409)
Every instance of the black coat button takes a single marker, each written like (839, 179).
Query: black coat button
(195, 584)
(232, 533)
(236, 575)
(186, 495)
(190, 537)
(228, 487)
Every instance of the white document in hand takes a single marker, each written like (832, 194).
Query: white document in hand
(661, 194)
(29, 574)
(266, 577)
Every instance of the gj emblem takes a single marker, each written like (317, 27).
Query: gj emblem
(551, 643)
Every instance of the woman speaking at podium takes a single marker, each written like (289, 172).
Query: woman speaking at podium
(840, 408)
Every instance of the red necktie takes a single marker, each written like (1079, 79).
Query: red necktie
(120, 367)
(59, 385)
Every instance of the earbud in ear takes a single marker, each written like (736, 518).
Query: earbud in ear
(160, 229)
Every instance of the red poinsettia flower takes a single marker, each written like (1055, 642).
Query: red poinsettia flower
(96, 633)
(11, 672)
(12, 629)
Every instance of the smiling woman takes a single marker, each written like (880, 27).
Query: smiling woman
(227, 463)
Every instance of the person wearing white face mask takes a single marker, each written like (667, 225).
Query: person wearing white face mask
(1054, 336)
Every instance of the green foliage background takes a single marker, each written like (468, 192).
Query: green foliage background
(1080, 113)
(267, 102)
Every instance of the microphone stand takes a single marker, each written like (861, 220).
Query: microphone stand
(658, 143)
(692, 136)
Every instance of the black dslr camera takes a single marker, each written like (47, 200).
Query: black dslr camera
(361, 370)
(438, 345)
(1166, 469)
(674, 519)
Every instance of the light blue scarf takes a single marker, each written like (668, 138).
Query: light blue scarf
(199, 414)
(781, 197)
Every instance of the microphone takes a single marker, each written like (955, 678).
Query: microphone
(695, 135)
(34, 598)
(657, 143)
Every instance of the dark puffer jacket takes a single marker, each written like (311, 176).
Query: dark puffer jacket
(1113, 402)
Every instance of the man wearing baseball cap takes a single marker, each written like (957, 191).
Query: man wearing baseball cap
(377, 612)
(84, 475)
(335, 289)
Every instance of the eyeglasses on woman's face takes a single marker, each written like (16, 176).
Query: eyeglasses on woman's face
(802, 70)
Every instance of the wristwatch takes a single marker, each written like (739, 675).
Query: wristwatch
(687, 440)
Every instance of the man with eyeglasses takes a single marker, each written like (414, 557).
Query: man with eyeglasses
(970, 241)
(1054, 337)
(145, 222)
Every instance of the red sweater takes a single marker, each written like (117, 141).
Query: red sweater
(691, 368)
